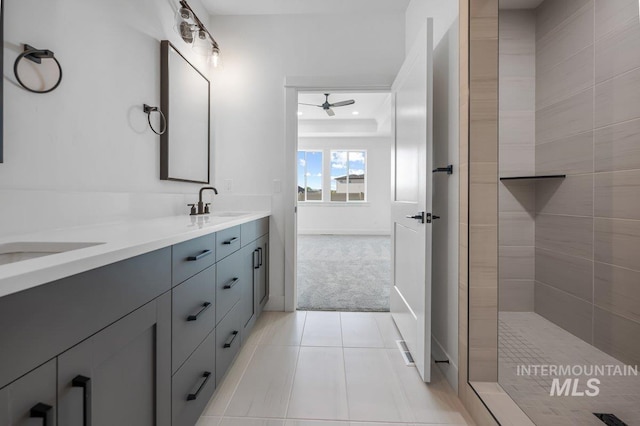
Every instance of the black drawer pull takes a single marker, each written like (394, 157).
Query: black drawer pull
(231, 283)
(256, 262)
(194, 396)
(205, 253)
(260, 255)
(231, 241)
(40, 411)
(230, 340)
(84, 383)
(205, 306)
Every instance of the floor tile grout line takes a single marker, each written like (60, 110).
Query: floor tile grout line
(295, 367)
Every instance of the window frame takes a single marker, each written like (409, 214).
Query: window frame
(306, 186)
(366, 173)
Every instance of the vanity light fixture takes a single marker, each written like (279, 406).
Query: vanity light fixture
(193, 31)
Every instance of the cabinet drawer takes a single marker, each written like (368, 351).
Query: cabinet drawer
(227, 341)
(193, 256)
(30, 400)
(194, 383)
(228, 241)
(229, 283)
(253, 230)
(193, 314)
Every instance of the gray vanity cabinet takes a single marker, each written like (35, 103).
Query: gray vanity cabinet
(120, 375)
(261, 274)
(30, 400)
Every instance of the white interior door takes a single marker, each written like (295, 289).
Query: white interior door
(411, 201)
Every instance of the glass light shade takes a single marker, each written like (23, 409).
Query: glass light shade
(184, 24)
(215, 57)
(202, 44)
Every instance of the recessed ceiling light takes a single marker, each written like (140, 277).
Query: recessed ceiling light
(355, 113)
(299, 112)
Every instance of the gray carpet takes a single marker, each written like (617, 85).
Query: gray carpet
(344, 272)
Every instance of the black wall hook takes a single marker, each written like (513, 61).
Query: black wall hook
(148, 110)
(36, 56)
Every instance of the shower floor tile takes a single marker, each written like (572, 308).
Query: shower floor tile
(526, 339)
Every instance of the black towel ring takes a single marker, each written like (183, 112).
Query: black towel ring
(36, 56)
(148, 110)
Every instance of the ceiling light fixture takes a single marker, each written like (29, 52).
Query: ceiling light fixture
(299, 112)
(355, 113)
(193, 31)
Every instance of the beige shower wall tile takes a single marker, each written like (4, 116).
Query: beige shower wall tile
(566, 118)
(617, 336)
(565, 234)
(617, 52)
(573, 275)
(517, 128)
(518, 29)
(483, 195)
(617, 195)
(552, 14)
(570, 196)
(517, 93)
(618, 100)
(611, 15)
(483, 256)
(516, 296)
(517, 263)
(517, 229)
(569, 77)
(567, 311)
(617, 290)
(516, 197)
(517, 160)
(572, 155)
(566, 40)
(617, 147)
(617, 241)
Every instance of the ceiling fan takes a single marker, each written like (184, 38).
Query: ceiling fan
(326, 106)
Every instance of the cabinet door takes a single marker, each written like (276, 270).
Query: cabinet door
(30, 400)
(262, 273)
(121, 375)
(247, 301)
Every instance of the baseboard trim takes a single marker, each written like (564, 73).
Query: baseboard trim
(275, 303)
(340, 232)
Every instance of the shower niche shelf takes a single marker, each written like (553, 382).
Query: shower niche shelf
(539, 177)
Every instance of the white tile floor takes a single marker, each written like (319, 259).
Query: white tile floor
(328, 369)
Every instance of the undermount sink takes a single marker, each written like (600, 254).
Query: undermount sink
(19, 251)
(228, 214)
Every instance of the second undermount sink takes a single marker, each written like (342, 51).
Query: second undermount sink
(19, 251)
(228, 214)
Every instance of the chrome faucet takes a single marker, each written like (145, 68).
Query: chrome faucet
(203, 208)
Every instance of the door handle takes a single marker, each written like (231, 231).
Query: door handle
(448, 169)
(259, 256)
(230, 284)
(231, 241)
(199, 256)
(205, 306)
(419, 216)
(230, 340)
(256, 262)
(194, 396)
(40, 411)
(84, 383)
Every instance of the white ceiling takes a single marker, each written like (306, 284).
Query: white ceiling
(520, 4)
(288, 7)
(368, 105)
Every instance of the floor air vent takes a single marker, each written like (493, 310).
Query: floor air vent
(404, 350)
(610, 419)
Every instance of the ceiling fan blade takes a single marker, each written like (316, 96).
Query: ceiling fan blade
(330, 112)
(343, 103)
(300, 103)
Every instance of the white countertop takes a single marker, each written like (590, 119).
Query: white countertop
(120, 241)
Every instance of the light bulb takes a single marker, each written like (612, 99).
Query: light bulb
(215, 57)
(201, 44)
(184, 24)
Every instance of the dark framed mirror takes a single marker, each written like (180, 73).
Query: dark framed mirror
(185, 102)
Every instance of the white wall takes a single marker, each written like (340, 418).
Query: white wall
(248, 95)
(370, 218)
(445, 197)
(84, 154)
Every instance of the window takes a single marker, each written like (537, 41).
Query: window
(348, 176)
(309, 176)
